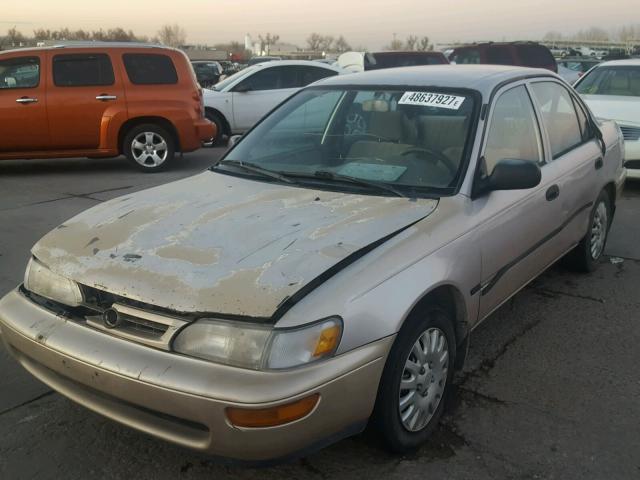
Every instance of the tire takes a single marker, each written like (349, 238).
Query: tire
(219, 123)
(403, 435)
(586, 255)
(149, 147)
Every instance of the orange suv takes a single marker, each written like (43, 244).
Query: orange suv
(101, 100)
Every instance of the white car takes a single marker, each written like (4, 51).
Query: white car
(612, 91)
(239, 101)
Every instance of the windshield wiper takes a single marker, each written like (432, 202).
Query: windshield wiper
(324, 174)
(253, 168)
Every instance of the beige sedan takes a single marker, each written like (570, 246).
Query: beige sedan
(329, 270)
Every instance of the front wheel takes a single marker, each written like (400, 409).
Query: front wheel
(586, 255)
(416, 380)
(149, 147)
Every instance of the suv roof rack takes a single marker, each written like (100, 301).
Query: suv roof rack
(91, 43)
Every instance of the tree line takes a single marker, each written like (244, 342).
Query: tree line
(171, 35)
(623, 34)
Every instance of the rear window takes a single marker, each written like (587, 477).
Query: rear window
(82, 70)
(150, 69)
(535, 56)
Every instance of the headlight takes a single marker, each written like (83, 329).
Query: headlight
(42, 281)
(259, 347)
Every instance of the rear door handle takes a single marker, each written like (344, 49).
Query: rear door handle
(103, 97)
(599, 163)
(26, 100)
(553, 192)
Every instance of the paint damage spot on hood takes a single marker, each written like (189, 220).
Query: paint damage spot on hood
(218, 243)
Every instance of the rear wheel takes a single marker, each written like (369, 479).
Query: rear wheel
(149, 147)
(586, 255)
(219, 123)
(416, 380)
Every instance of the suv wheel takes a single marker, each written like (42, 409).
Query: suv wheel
(219, 123)
(149, 147)
(586, 255)
(415, 381)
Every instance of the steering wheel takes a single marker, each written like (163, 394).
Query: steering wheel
(433, 155)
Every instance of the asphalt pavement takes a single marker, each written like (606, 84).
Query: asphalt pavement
(551, 388)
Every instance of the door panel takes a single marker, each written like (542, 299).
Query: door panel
(23, 113)
(82, 89)
(250, 107)
(519, 234)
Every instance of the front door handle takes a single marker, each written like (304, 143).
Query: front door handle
(26, 100)
(599, 163)
(103, 97)
(553, 192)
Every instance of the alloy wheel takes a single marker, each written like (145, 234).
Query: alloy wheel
(599, 228)
(149, 149)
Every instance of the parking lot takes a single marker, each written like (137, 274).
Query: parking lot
(550, 388)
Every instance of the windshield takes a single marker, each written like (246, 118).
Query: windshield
(413, 141)
(622, 80)
(218, 87)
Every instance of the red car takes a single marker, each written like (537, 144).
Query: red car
(522, 54)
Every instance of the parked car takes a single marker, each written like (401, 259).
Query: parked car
(239, 101)
(364, 61)
(329, 269)
(100, 100)
(228, 68)
(612, 91)
(572, 68)
(524, 54)
(208, 72)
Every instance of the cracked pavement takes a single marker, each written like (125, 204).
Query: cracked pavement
(550, 389)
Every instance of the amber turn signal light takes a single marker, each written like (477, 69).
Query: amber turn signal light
(272, 416)
(328, 341)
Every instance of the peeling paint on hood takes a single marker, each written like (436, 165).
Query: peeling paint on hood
(218, 243)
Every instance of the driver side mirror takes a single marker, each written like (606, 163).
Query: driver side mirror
(512, 174)
(233, 140)
(242, 89)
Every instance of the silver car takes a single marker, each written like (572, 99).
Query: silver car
(329, 270)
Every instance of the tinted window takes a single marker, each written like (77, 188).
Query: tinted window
(82, 70)
(558, 115)
(466, 56)
(150, 69)
(623, 81)
(499, 55)
(514, 132)
(21, 72)
(265, 79)
(375, 61)
(307, 75)
(535, 56)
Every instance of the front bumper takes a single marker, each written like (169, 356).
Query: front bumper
(632, 153)
(182, 399)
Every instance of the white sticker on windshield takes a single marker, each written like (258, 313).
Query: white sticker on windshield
(429, 99)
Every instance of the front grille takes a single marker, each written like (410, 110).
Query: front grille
(630, 134)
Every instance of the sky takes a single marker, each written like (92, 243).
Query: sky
(369, 23)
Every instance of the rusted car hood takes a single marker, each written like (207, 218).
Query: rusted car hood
(217, 243)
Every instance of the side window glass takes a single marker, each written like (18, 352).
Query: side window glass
(583, 119)
(467, 56)
(309, 75)
(289, 77)
(499, 56)
(265, 79)
(559, 116)
(150, 69)
(23, 72)
(82, 70)
(514, 132)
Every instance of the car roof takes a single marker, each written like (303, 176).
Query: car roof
(313, 63)
(486, 44)
(630, 62)
(90, 45)
(484, 78)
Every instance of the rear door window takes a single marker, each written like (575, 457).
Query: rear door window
(82, 70)
(308, 75)
(150, 69)
(499, 55)
(559, 116)
(22, 72)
